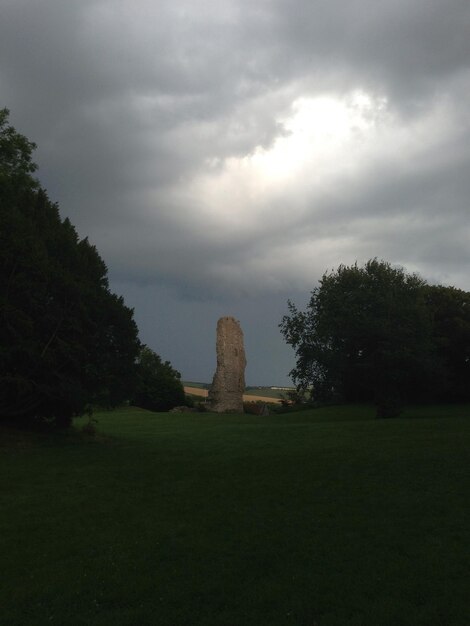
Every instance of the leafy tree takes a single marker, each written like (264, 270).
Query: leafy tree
(366, 335)
(159, 386)
(66, 341)
(450, 308)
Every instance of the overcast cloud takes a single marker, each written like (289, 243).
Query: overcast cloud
(223, 154)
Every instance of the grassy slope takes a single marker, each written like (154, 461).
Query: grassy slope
(325, 518)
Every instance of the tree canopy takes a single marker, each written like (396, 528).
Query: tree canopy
(159, 386)
(377, 333)
(66, 341)
(450, 310)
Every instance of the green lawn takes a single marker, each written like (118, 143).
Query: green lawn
(320, 518)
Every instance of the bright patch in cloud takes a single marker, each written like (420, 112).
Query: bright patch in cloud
(318, 130)
(322, 138)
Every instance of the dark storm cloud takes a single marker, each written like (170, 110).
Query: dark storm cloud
(400, 46)
(152, 119)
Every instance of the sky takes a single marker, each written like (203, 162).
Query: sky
(222, 155)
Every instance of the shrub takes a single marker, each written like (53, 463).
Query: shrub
(256, 408)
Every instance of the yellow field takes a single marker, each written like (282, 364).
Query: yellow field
(197, 391)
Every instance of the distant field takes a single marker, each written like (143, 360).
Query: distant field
(324, 517)
(266, 392)
(250, 397)
(188, 383)
(196, 391)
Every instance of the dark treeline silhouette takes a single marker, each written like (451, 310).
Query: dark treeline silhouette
(66, 341)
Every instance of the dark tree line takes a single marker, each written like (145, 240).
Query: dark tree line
(376, 333)
(66, 341)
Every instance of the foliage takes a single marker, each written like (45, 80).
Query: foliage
(450, 308)
(257, 408)
(159, 386)
(293, 397)
(188, 400)
(66, 341)
(366, 335)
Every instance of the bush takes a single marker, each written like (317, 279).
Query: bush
(256, 408)
(159, 386)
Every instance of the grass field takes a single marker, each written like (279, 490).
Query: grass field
(319, 518)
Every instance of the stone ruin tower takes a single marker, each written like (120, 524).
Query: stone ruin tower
(228, 384)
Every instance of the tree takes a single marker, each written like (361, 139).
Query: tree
(450, 309)
(366, 335)
(66, 341)
(159, 386)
